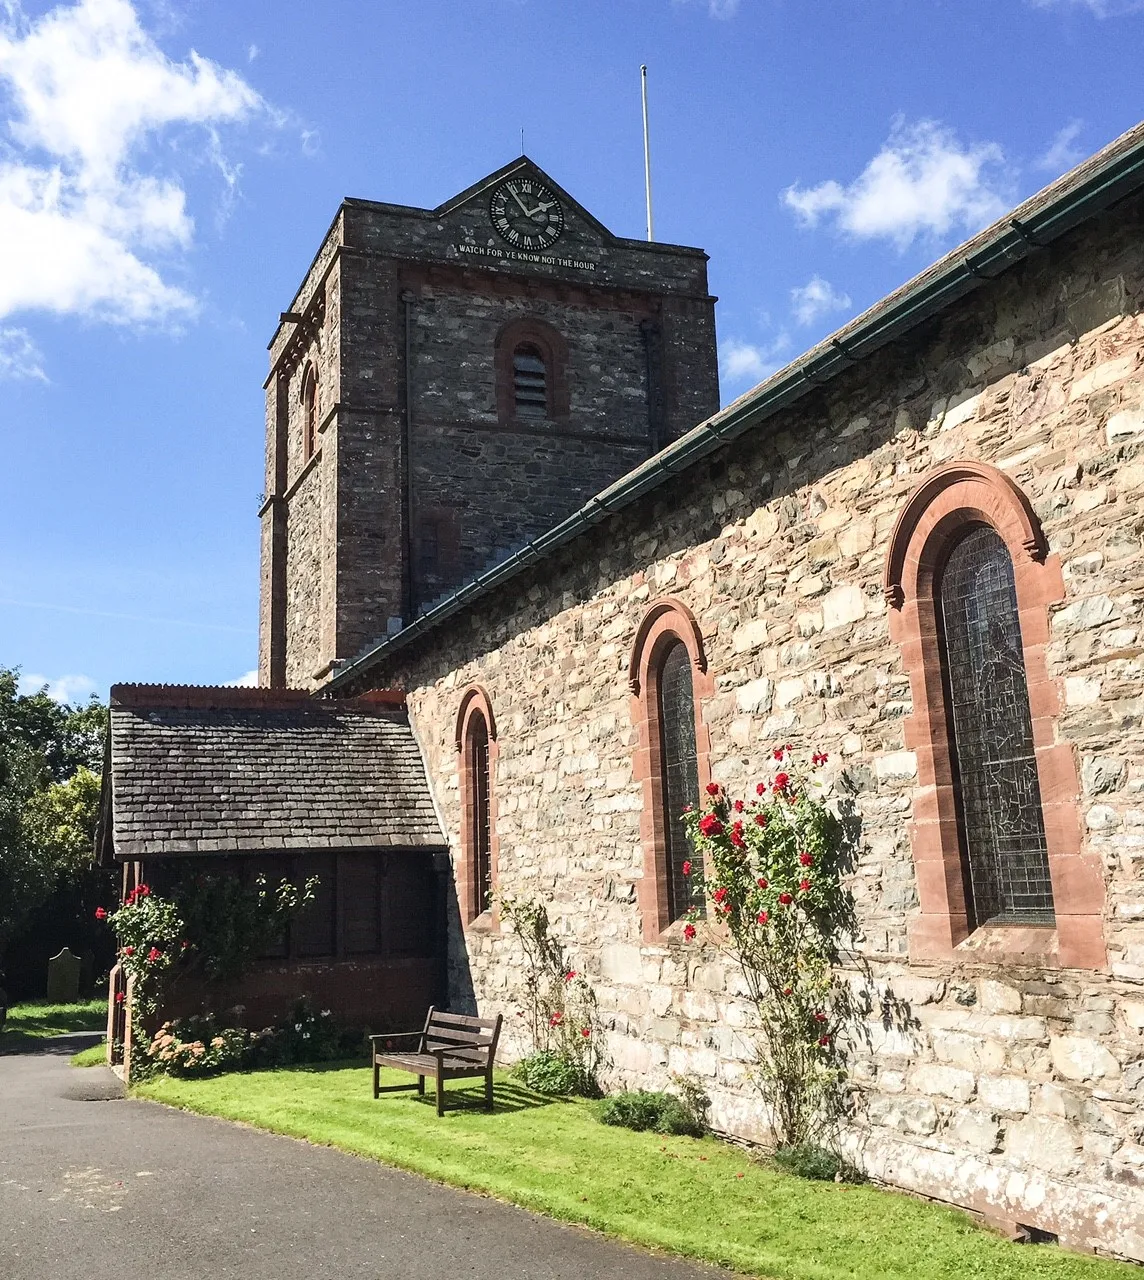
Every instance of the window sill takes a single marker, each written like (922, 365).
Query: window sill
(486, 922)
(1073, 942)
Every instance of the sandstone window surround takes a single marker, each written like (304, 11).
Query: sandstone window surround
(477, 747)
(531, 362)
(941, 511)
(309, 413)
(667, 624)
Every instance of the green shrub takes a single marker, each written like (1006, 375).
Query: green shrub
(555, 1074)
(661, 1112)
(816, 1163)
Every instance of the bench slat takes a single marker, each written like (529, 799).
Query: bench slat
(461, 1019)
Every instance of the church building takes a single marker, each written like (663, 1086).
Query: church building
(504, 515)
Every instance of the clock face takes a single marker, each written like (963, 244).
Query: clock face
(526, 213)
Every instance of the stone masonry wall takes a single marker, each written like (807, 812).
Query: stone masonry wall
(1012, 1089)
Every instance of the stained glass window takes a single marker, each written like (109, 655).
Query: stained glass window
(530, 382)
(680, 772)
(479, 813)
(995, 768)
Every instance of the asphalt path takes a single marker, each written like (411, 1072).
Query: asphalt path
(94, 1186)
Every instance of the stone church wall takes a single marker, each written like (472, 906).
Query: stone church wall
(1014, 1089)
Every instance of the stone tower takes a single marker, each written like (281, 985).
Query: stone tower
(449, 383)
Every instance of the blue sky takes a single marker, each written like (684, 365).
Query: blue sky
(168, 168)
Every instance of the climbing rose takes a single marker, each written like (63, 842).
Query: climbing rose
(100, 913)
(556, 1019)
(763, 917)
(781, 782)
(806, 859)
(777, 753)
(824, 1041)
(143, 891)
(119, 997)
(687, 867)
(819, 757)
(737, 840)
(760, 819)
(762, 882)
(739, 806)
(689, 931)
(719, 894)
(819, 1016)
(788, 991)
(761, 789)
(713, 788)
(585, 1032)
(153, 955)
(569, 975)
(785, 899)
(710, 826)
(803, 886)
(128, 951)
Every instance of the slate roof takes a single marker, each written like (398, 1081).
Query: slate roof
(198, 771)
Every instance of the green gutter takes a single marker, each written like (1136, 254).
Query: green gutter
(1088, 190)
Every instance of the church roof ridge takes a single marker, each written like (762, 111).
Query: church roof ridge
(1117, 170)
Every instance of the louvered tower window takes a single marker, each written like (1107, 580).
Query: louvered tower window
(309, 415)
(479, 814)
(530, 382)
(995, 769)
(680, 775)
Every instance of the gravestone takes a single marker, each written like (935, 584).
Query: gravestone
(63, 978)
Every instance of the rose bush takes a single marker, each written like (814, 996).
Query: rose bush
(768, 870)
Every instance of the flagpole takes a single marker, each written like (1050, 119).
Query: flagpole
(646, 154)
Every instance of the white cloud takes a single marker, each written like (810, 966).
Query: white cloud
(924, 181)
(1062, 153)
(252, 53)
(249, 680)
(19, 356)
(815, 299)
(73, 689)
(83, 230)
(742, 362)
(721, 9)
(1098, 8)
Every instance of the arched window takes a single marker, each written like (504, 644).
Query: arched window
(479, 817)
(531, 361)
(669, 681)
(995, 832)
(529, 381)
(994, 760)
(679, 767)
(477, 745)
(309, 413)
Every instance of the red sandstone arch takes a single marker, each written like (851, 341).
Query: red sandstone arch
(475, 701)
(948, 501)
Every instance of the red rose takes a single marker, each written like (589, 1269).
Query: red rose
(761, 789)
(760, 819)
(713, 788)
(119, 997)
(739, 806)
(777, 753)
(819, 1016)
(687, 867)
(100, 913)
(804, 886)
(710, 826)
(806, 859)
(788, 991)
(762, 883)
(719, 894)
(689, 931)
(569, 975)
(556, 1019)
(763, 917)
(781, 782)
(128, 951)
(143, 891)
(824, 1041)
(819, 757)
(737, 840)
(153, 955)
(785, 899)
(585, 1032)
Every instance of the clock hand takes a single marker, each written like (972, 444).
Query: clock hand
(520, 202)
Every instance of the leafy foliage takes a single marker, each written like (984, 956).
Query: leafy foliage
(559, 1004)
(770, 871)
(50, 756)
(549, 1072)
(816, 1163)
(661, 1112)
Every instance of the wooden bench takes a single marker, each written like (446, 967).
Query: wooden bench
(451, 1046)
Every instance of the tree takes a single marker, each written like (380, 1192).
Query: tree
(50, 758)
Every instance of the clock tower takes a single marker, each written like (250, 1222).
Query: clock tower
(449, 383)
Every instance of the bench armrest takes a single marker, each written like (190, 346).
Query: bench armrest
(395, 1035)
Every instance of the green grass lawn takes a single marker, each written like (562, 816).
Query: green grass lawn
(36, 1020)
(704, 1199)
(96, 1056)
